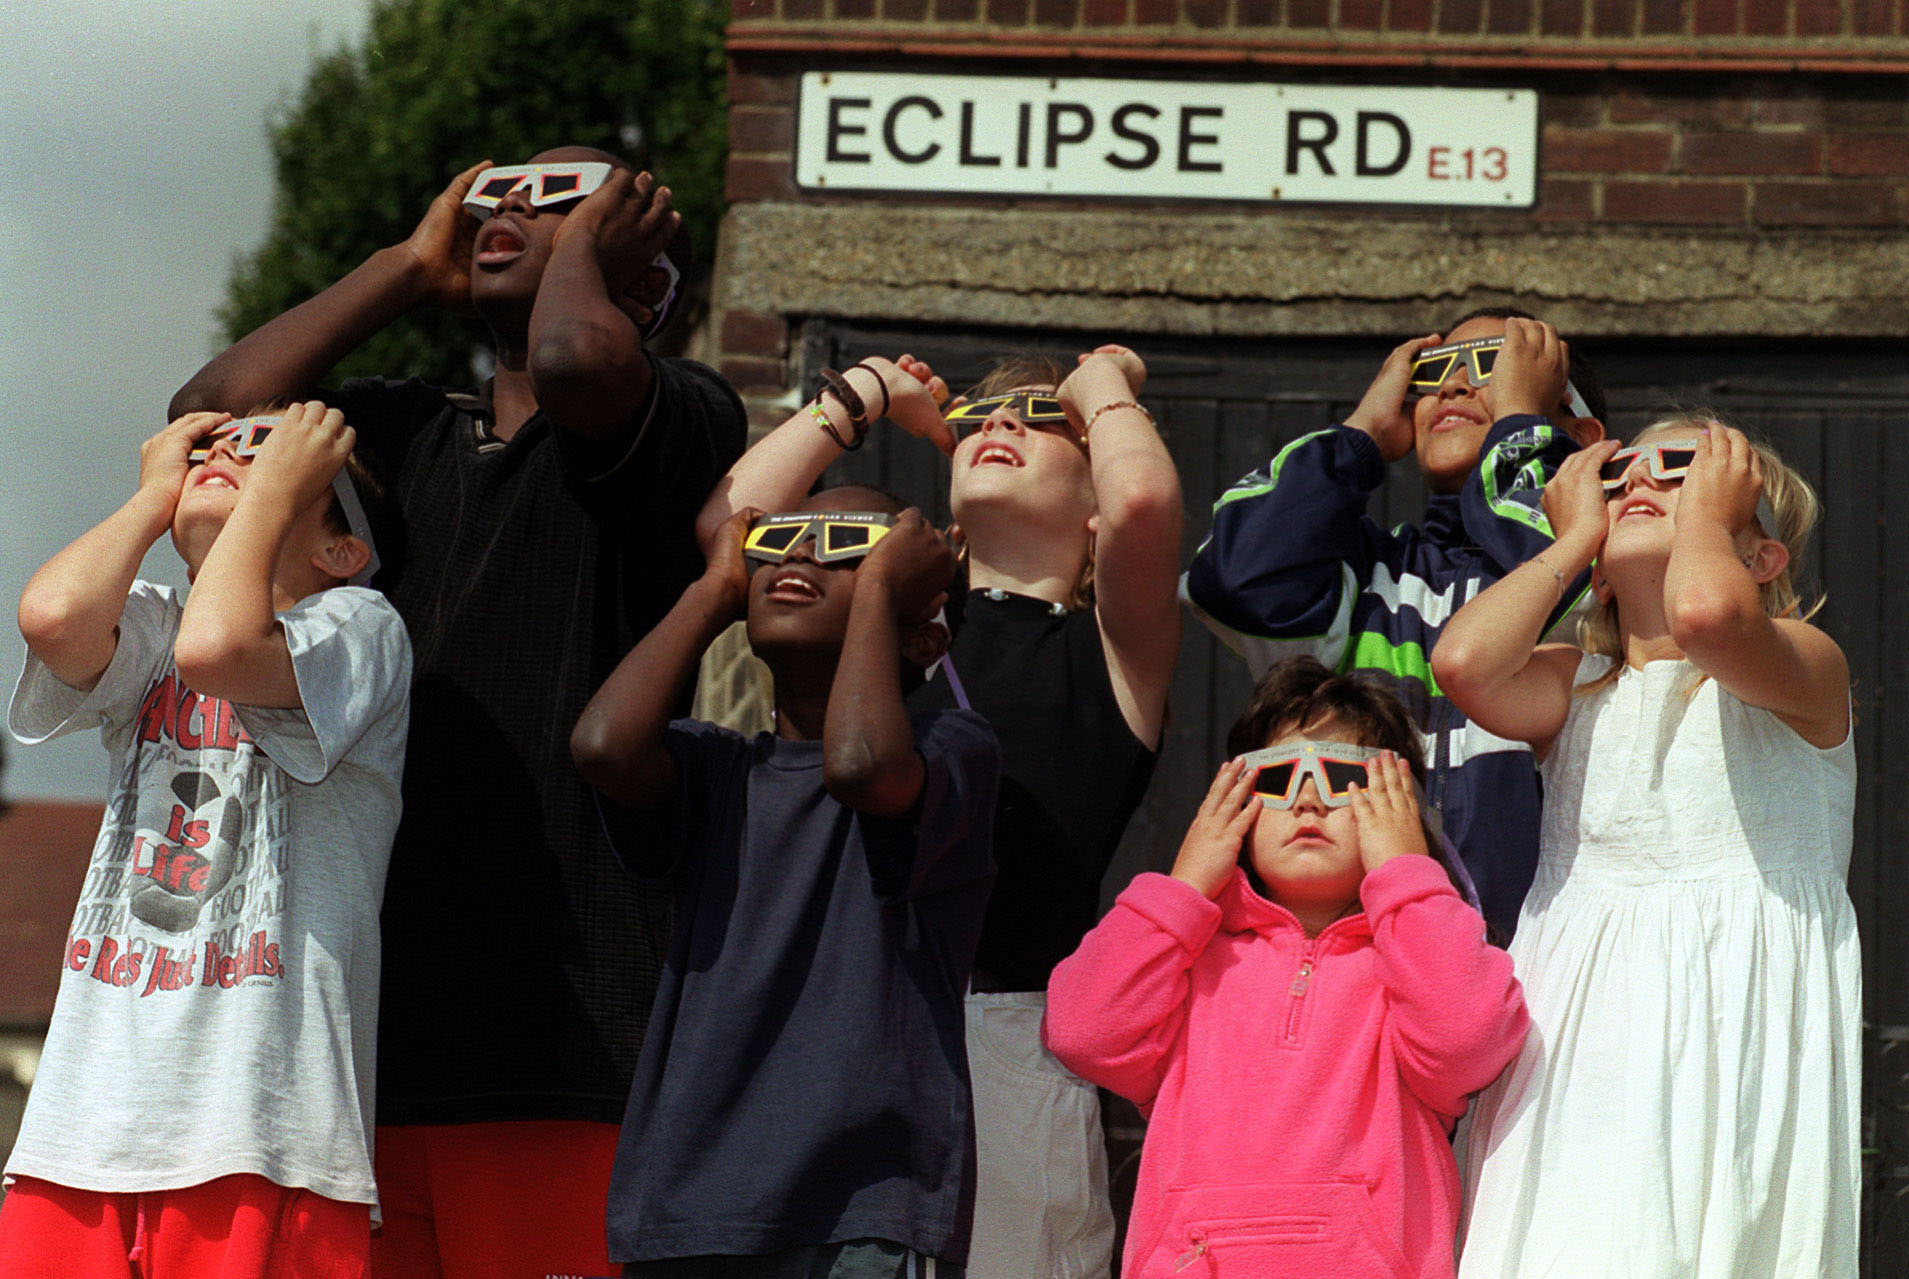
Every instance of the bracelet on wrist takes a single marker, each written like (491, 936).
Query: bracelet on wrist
(880, 381)
(821, 416)
(1094, 417)
(835, 384)
(1543, 563)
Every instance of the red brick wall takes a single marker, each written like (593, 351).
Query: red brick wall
(1734, 115)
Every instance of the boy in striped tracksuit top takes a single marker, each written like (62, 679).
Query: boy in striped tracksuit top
(1293, 564)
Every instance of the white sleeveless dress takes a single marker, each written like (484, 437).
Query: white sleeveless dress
(1686, 1105)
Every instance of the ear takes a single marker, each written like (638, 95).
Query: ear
(1600, 588)
(1767, 560)
(1584, 431)
(923, 644)
(341, 557)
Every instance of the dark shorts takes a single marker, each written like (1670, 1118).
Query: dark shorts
(853, 1259)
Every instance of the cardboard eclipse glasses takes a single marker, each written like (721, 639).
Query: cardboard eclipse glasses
(1335, 768)
(1668, 462)
(838, 535)
(548, 184)
(1435, 364)
(248, 436)
(1035, 410)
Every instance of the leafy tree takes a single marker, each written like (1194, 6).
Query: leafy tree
(441, 84)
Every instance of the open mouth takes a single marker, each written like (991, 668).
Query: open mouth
(1638, 506)
(499, 242)
(790, 587)
(997, 454)
(1452, 421)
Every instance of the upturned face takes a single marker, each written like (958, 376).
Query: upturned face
(1449, 424)
(1308, 855)
(1008, 467)
(513, 245)
(799, 604)
(208, 496)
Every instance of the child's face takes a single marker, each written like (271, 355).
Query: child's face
(1449, 425)
(1308, 855)
(1007, 463)
(799, 604)
(208, 496)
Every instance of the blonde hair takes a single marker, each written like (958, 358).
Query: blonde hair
(1792, 501)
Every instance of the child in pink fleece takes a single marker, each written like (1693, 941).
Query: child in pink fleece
(1301, 1008)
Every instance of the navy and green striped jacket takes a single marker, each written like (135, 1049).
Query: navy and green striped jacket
(1293, 565)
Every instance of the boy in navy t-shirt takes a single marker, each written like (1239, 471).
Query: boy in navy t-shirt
(801, 1104)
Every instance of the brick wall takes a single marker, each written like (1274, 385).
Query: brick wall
(1732, 117)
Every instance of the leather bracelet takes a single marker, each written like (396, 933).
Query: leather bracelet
(1094, 417)
(880, 381)
(821, 416)
(837, 385)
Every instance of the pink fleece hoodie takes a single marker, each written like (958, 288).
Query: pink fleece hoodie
(1300, 1092)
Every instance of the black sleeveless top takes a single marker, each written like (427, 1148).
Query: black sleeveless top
(1073, 774)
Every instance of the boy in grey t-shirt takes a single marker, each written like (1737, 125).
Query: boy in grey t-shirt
(206, 1088)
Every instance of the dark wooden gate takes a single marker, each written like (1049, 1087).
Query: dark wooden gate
(1838, 412)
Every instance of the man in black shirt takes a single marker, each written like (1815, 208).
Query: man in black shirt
(548, 524)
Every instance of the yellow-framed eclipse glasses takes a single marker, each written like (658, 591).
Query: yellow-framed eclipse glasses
(838, 535)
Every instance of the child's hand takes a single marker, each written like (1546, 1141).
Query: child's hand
(1725, 480)
(1382, 413)
(915, 399)
(301, 457)
(1105, 375)
(630, 221)
(1531, 370)
(443, 243)
(1386, 809)
(1574, 500)
(162, 459)
(1211, 848)
(728, 567)
(915, 561)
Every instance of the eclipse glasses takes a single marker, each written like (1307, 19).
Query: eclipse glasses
(1335, 768)
(1435, 364)
(838, 535)
(1036, 410)
(547, 184)
(248, 436)
(1669, 461)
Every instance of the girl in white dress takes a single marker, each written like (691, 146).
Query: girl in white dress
(1686, 1103)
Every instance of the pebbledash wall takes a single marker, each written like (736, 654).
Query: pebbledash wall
(1721, 203)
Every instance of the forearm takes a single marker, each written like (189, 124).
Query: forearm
(230, 643)
(776, 473)
(286, 357)
(1490, 640)
(618, 740)
(586, 355)
(869, 760)
(69, 612)
(1709, 596)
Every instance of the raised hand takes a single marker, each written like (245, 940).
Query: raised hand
(915, 561)
(1386, 810)
(1382, 412)
(915, 397)
(1531, 370)
(442, 243)
(1212, 845)
(629, 221)
(728, 567)
(162, 458)
(1105, 375)
(1574, 500)
(1724, 482)
(301, 456)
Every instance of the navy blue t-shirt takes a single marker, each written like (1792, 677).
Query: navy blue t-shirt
(804, 1079)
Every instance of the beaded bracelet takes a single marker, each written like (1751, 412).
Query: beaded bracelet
(1108, 408)
(821, 416)
(1540, 561)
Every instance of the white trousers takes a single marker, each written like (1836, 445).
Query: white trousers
(1041, 1209)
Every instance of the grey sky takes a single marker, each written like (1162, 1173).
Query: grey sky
(133, 138)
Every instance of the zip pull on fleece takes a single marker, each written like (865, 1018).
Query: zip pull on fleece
(1302, 979)
(1193, 1254)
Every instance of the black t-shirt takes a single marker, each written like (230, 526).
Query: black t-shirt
(805, 1078)
(519, 959)
(1072, 775)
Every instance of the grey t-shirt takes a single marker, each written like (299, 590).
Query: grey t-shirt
(218, 1005)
